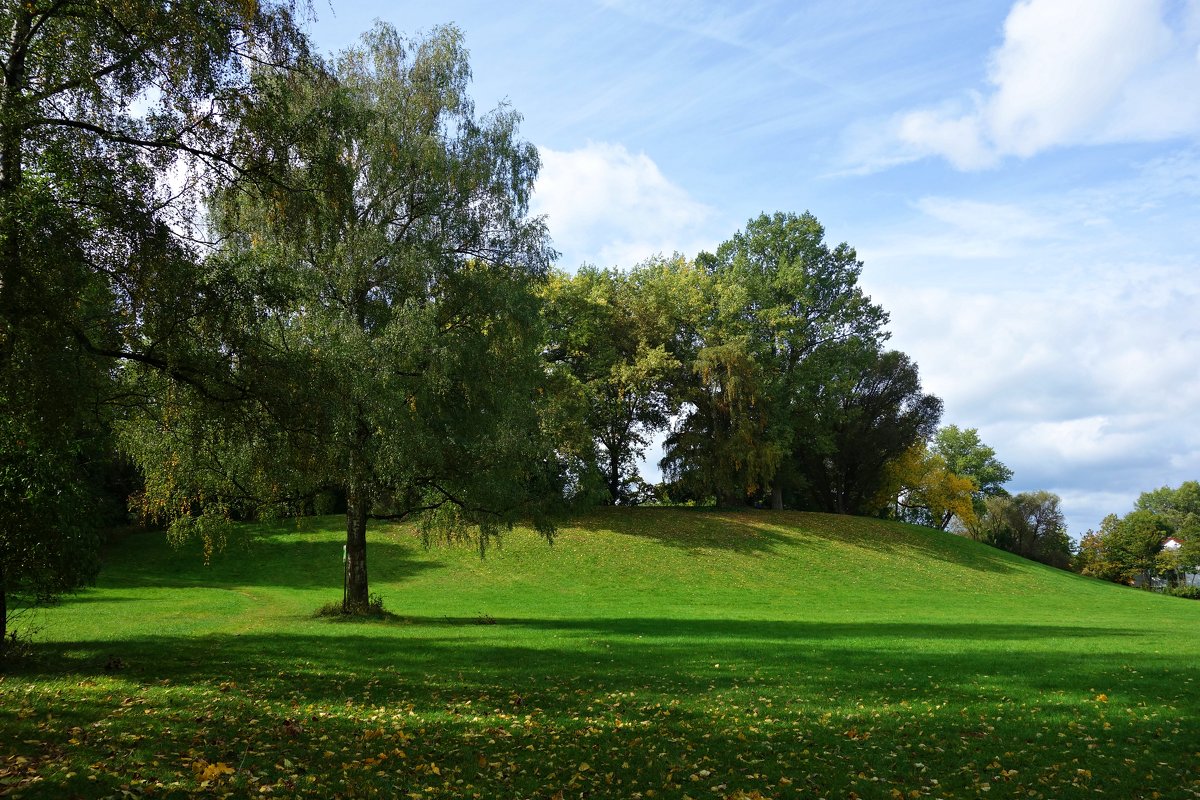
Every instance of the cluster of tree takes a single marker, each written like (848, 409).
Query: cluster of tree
(764, 367)
(946, 480)
(1159, 539)
(956, 481)
(261, 275)
(763, 364)
(266, 277)
(1030, 524)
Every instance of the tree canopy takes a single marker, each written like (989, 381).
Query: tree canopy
(867, 412)
(614, 336)
(100, 103)
(394, 342)
(1131, 548)
(1030, 524)
(777, 294)
(946, 479)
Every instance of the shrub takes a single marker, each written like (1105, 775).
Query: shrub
(1188, 592)
(373, 608)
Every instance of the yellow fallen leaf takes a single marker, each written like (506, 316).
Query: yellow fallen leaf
(211, 772)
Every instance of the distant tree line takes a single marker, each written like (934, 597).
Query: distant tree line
(1158, 541)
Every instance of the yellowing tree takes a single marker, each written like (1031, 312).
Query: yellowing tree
(922, 488)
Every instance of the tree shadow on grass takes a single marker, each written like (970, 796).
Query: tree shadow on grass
(257, 559)
(758, 532)
(691, 529)
(786, 630)
(583, 651)
(655, 700)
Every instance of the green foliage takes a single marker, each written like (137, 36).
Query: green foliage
(1179, 507)
(1031, 524)
(965, 454)
(721, 447)
(388, 340)
(610, 337)
(778, 292)
(100, 103)
(1137, 543)
(780, 654)
(868, 410)
(1093, 557)
(1131, 548)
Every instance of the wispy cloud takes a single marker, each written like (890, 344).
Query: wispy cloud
(610, 207)
(736, 27)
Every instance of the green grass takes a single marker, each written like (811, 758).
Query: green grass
(647, 654)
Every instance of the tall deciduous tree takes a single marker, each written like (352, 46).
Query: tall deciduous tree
(946, 479)
(613, 333)
(921, 488)
(965, 454)
(779, 293)
(1178, 508)
(868, 410)
(98, 102)
(396, 319)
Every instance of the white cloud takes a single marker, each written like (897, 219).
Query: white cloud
(1070, 343)
(1080, 387)
(1085, 440)
(609, 207)
(959, 137)
(1068, 72)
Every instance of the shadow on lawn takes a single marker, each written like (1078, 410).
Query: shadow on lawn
(691, 529)
(755, 532)
(778, 699)
(769, 630)
(259, 560)
(625, 652)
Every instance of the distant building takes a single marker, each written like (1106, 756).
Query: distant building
(1187, 579)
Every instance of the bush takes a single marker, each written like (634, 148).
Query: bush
(373, 608)
(15, 648)
(1187, 592)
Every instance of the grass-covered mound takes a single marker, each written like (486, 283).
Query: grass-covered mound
(648, 653)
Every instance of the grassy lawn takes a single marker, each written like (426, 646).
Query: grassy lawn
(646, 654)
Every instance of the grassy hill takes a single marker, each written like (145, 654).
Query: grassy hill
(648, 654)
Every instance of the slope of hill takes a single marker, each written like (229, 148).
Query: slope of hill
(646, 653)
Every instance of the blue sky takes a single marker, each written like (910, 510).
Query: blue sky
(1021, 180)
